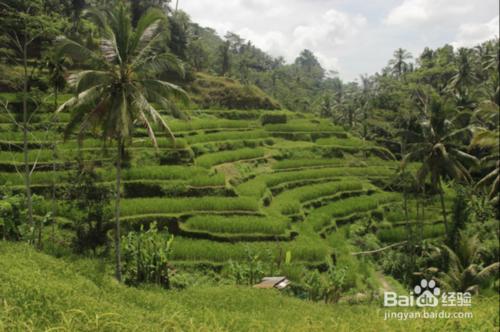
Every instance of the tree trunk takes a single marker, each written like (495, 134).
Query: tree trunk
(118, 269)
(54, 169)
(419, 218)
(407, 217)
(443, 207)
(27, 171)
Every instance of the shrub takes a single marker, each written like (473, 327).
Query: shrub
(90, 209)
(12, 212)
(146, 256)
(221, 92)
(273, 118)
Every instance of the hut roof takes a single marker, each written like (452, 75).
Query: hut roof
(273, 282)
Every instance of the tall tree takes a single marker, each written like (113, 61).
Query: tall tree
(23, 25)
(399, 64)
(439, 148)
(465, 76)
(487, 136)
(364, 99)
(123, 87)
(224, 58)
(464, 271)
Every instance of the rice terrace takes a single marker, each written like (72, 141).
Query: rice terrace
(159, 174)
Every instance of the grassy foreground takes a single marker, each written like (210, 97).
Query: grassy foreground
(39, 292)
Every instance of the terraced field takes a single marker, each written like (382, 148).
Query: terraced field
(230, 186)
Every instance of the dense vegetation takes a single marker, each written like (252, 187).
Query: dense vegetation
(134, 140)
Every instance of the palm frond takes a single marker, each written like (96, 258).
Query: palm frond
(109, 50)
(488, 271)
(87, 79)
(157, 64)
(166, 89)
(77, 51)
(148, 27)
(485, 138)
(88, 96)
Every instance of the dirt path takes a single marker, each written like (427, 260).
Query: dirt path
(385, 286)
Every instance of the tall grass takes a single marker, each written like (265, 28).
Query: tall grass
(161, 173)
(257, 186)
(211, 159)
(43, 293)
(39, 135)
(194, 176)
(37, 178)
(237, 224)
(206, 124)
(227, 136)
(303, 126)
(347, 142)
(348, 161)
(400, 233)
(303, 194)
(322, 216)
(140, 206)
(210, 251)
(306, 163)
(33, 155)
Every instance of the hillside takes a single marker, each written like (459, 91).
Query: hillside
(40, 292)
(229, 190)
(229, 186)
(208, 91)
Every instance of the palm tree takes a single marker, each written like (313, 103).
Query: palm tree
(487, 135)
(465, 75)
(364, 99)
(57, 67)
(438, 147)
(120, 93)
(464, 272)
(399, 65)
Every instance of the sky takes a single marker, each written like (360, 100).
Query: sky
(352, 37)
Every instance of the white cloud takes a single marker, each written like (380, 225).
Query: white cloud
(471, 34)
(334, 28)
(421, 11)
(322, 35)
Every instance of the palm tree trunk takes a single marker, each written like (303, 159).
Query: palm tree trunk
(422, 224)
(27, 171)
(54, 155)
(443, 207)
(54, 169)
(407, 217)
(118, 270)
